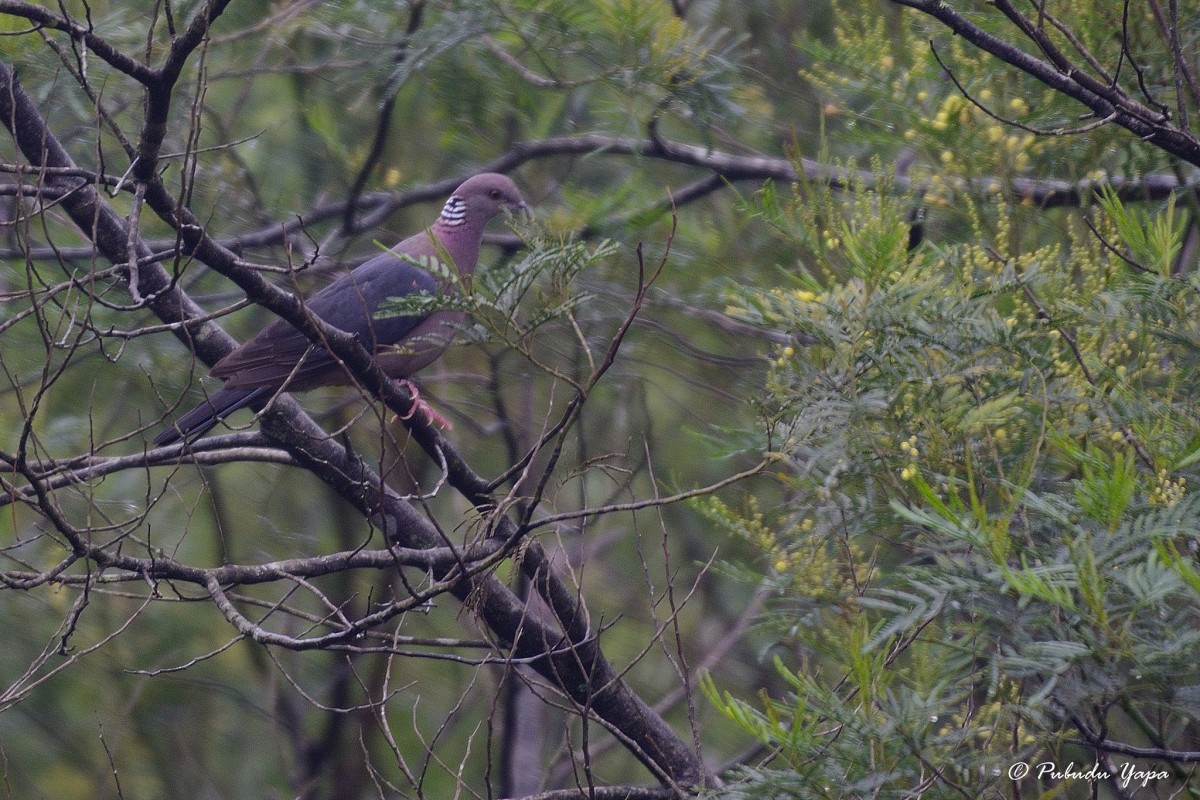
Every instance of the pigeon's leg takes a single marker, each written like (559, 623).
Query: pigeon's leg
(419, 406)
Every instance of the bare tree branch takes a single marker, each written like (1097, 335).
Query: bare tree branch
(566, 653)
(1061, 74)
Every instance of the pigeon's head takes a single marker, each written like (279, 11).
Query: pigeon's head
(481, 198)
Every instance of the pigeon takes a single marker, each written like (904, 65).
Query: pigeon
(282, 358)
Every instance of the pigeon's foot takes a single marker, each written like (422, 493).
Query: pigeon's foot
(420, 407)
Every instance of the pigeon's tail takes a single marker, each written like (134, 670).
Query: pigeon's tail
(201, 419)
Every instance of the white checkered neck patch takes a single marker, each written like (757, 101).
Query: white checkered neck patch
(454, 212)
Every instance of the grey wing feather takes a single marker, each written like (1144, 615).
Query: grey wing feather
(350, 303)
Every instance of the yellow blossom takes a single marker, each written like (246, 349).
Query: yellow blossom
(1167, 491)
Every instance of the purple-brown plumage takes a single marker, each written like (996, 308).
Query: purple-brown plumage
(282, 357)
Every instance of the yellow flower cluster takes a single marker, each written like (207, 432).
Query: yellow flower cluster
(1167, 490)
(996, 713)
(751, 526)
(812, 566)
(954, 109)
(909, 448)
(1009, 149)
(786, 561)
(816, 568)
(1119, 352)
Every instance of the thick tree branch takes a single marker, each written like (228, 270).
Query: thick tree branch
(39, 15)
(1060, 74)
(160, 89)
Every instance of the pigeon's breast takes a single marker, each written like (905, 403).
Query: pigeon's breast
(421, 347)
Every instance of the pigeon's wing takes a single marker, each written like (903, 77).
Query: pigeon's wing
(282, 353)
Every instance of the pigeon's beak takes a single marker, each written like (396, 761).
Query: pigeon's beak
(522, 208)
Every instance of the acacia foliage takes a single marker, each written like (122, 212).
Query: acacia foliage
(990, 437)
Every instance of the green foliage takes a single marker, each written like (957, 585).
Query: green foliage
(1153, 239)
(511, 300)
(992, 437)
(1012, 440)
(885, 91)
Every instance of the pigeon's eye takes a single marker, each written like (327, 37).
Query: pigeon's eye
(494, 194)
